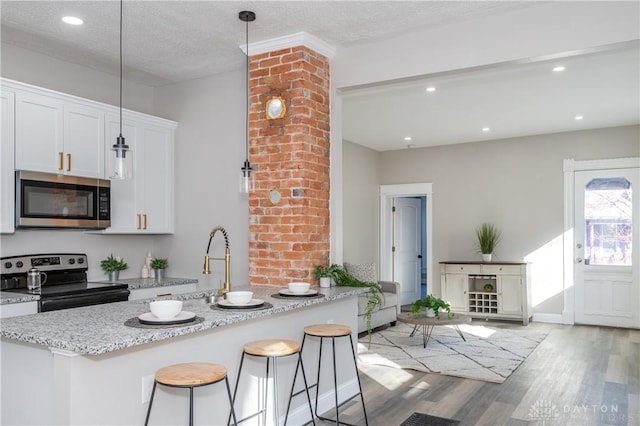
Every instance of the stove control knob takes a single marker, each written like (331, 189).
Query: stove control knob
(19, 264)
(72, 261)
(8, 265)
(80, 260)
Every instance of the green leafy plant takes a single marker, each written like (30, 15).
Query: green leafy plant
(322, 271)
(431, 302)
(488, 238)
(374, 301)
(159, 264)
(113, 264)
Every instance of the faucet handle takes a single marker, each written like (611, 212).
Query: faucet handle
(207, 269)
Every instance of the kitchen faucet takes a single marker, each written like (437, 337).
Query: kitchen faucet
(226, 287)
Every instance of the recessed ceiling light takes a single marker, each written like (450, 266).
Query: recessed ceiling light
(431, 89)
(579, 117)
(485, 129)
(72, 20)
(407, 138)
(559, 69)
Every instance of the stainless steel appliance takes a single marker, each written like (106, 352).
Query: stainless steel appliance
(46, 200)
(66, 285)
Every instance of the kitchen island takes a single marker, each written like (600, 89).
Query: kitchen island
(85, 366)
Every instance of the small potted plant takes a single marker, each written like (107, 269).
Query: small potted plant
(158, 266)
(112, 265)
(325, 274)
(488, 237)
(431, 306)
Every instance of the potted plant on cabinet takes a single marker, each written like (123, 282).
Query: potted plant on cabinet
(112, 265)
(488, 237)
(158, 266)
(431, 307)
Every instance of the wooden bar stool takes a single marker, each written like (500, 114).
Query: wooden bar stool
(271, 349)
(333, 331)
(191, 375)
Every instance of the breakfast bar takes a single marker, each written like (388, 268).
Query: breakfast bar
(95, 364)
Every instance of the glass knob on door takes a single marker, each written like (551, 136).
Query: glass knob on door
(578, 260)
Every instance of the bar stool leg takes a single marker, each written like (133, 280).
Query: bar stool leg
(233, 411)
(335, 380)
(355, 365)
(318, 378)
(153, 392)
(306, 387)
(275, 393)
(235, 389)
(191, 406)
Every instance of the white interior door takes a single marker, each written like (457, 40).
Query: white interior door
(407, 231)
(606, 254)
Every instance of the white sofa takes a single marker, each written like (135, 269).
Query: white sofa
(385, 314)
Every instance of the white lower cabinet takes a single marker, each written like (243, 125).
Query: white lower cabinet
(152, 292)
(143, 205)
(7, 164)
(482, 290)
(17, 309)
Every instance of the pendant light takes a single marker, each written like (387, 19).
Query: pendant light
(246, 178)
(122, 167)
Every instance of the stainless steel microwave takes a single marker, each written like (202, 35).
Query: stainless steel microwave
(46, 200)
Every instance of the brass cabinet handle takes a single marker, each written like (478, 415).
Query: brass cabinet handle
(164, 294)
(138, 220)
(60, 160)
(68, 162)
(144, 216)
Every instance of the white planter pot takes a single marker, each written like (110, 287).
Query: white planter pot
(486, 257)
(428, 312)
(325, 282)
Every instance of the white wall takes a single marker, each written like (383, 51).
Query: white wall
(361, 189)
(210, 149)
(515, 183)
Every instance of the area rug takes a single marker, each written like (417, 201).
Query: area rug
(489, 354)
(420, 419)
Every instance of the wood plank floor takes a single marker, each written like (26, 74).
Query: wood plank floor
(579, 375)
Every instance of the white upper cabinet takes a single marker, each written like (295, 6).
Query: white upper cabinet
(57, 135)
(144, 204)
(7, 165)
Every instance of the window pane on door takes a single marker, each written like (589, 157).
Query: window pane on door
(608, 224)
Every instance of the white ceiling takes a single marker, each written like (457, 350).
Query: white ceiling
(173, 41)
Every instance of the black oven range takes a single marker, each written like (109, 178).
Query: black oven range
(66, 284)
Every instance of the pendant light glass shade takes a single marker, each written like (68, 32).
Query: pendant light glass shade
(121, 164)
(246, 171)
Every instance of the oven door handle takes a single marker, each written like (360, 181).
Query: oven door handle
(75, 301)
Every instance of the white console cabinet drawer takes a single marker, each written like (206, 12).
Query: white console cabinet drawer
(457, 268)
(500, 269)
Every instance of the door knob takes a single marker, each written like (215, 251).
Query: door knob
(578, 260)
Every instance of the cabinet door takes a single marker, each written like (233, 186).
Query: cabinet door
(509, 294)
(124, 193)
(158, 180)
(7, 162)
(83, 141)
(456, 292)
(39, 143)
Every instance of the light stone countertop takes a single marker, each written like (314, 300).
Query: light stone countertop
(7, 297)
(99, 329)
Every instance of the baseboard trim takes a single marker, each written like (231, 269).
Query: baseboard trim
(550, 318)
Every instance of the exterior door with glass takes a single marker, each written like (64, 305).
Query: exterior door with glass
(606, 254)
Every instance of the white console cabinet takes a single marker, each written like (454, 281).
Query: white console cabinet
(487, 290)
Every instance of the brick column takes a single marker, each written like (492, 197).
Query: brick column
(291, 155)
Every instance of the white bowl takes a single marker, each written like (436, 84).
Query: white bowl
(239, 297)
(165, 309)
(299, 288)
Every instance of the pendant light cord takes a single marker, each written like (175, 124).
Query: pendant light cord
(247, 94)
(121, 68)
